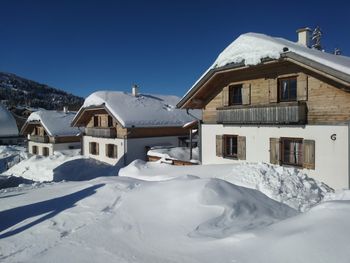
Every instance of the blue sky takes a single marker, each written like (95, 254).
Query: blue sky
(163, 46)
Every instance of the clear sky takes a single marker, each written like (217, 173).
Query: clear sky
(163, 46)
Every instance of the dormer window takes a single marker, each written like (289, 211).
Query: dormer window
(287, 89)
(235, 95)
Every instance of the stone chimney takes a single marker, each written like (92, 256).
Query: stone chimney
(304, 36)
(135, 90)
(65, 109)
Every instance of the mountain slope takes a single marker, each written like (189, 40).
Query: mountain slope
(16, 90)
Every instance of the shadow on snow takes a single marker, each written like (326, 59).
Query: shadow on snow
(48, 209)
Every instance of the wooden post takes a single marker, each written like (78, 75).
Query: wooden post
(191, 144)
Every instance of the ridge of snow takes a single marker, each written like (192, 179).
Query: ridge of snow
(144, 110)
(8, 126)
(56, 123)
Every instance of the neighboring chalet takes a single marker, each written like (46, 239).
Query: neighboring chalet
(8, 127)
(121, 127)
(268, 99)
(50, 131)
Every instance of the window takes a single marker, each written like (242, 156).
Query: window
(93, 148)
(111, 150)
(235, 95)
(230, 146)
(35, 149)
(45, 151)
(110, 121)
(292, 151)
(287, 88)
(96, 121)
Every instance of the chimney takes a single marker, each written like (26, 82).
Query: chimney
(65, 109)
(135, 90)
(304, 36)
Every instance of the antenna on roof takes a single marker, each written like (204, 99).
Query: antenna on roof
(316, 38)
(337, 51)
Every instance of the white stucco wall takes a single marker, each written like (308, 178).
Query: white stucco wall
(331, 157)
(52, 147)
(40, 146)
(136, 148)
(102, 149)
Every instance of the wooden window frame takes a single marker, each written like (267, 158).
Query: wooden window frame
(46, 153)
(279, 91)
(109, 121)
(112, 151)
(93, 149)
(231, 89)
(225, 137)
(36, 149)
(282, 151)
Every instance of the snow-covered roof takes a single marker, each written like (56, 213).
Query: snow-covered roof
(252, 49)
(8, 126)
(56, 123)
(144, 110)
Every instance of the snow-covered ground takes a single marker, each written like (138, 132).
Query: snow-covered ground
(66, 165)
(175, 153)
(11, 155)
(161, 213)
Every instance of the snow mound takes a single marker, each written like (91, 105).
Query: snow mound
(287, 185)
(142, 110)
(8, 126)
(243, 209)
(67, 165)
(56, 123)
(251, 48)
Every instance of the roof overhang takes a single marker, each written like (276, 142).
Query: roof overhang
(189, 100)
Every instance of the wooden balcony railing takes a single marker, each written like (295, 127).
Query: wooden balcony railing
(39, 138)
(101, 132)
(284, 113)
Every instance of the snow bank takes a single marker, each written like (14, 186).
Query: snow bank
(141, 111)
(287, 185)
(180, 220)
(67, 165)
(175, 153)
(8, 126)
(56, 123)
(11, 155)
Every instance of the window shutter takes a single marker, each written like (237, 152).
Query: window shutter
(302, 83)
(309, 154)
(241, 151)
(97, 149)
(115, 151)
(219, 145)
(272, 90)
(246, 94)
(90, 147)
(275, 151)
(225, 96)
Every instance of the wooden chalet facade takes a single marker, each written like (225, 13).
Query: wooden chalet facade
(107, 139)
(290, 111)
(43, 139)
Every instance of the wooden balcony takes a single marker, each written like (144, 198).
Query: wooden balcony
(281, 113)
(39, 138)
(101, 132)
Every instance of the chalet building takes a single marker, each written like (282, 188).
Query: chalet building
(50, 131)
(268, 99)
(8, 127)
(121, 127)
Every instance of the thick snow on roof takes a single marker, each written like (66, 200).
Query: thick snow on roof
(144, 110)
(56, 123)
(250, 48)
(8, 126)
